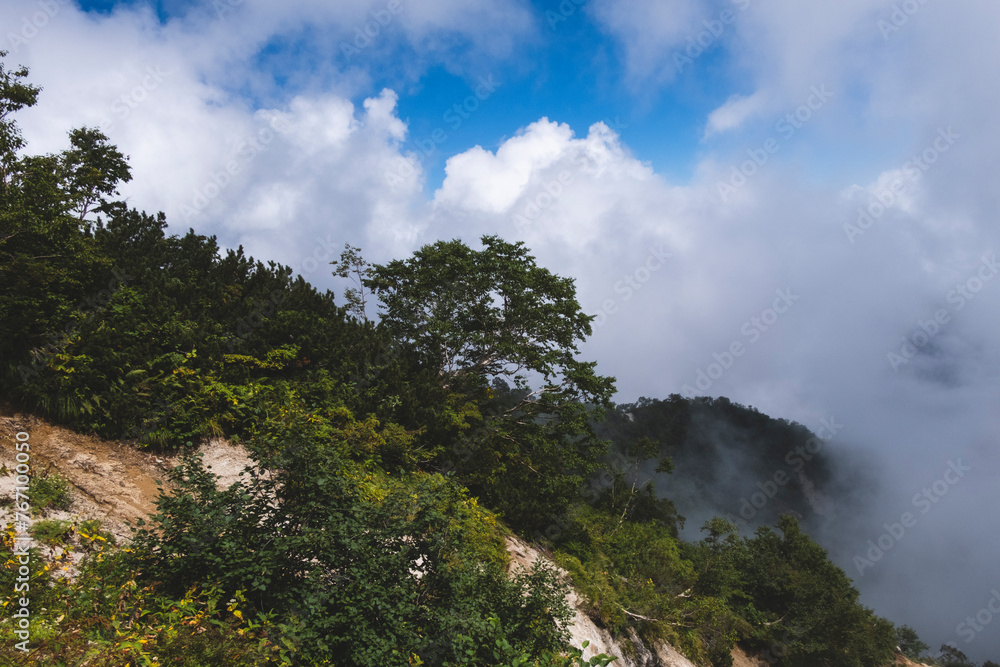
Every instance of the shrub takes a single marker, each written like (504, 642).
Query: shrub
(49, 490)
(366, 569)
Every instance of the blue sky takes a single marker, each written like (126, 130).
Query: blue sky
(568, 69)
(845, 152)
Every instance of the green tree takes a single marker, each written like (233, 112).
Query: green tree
(51, 273)
(952, 657)
(718, 560)
(790, 584)
(92, 169)
(14, 95)
(478, 319)
(909, 642)
(488, 313)
(352, 265)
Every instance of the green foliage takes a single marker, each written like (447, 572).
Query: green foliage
(909, 642)
(481, 313)
(352, 265)
(52, 532)
(92, 170)
(952, 657)
(790, 584)
(368, 567)
(111, 625)
(478, 318)
(49, 490)
(14, 95)
(634, 573)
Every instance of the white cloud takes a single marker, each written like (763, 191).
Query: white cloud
(480, 180)
(735, 112)
(651, 34)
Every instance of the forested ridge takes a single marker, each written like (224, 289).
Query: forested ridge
(399, 432)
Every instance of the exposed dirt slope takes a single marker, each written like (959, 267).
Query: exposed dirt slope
(741, 659)
(109, 480)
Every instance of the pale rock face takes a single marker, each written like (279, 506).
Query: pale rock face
(584, 629)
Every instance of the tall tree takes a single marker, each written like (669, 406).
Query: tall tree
(478, 319)
(92, 169)
(51, 274)
(14, 95)
(475, 315)
(909, 642)
(352, 265)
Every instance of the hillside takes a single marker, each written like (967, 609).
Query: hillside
(731, 460)
(109, 480)
(114, 483)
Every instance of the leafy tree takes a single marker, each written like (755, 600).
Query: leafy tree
(719, 560)
(477, 319)
(909, 642)
(484, 314)
(352, 265)
(14, 95)
(791, 584)
(952, 657)
(92, 169)
(52, 276)
(630, 495)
